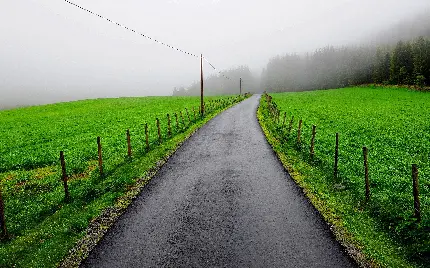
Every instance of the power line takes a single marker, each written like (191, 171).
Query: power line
(219, 72)
(130, 29)
(144, 35)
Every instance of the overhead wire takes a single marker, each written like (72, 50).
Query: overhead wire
(144, 35)
(213, 67)
(130, 29)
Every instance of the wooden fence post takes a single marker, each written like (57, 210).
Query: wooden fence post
(64, 177)
(147, 137)
(312, 152)
(188, 115)
(336, 157)
(366, 173)
(128, 143)
(182, 118)
(160, 139)
(416, 192)
(291, 124)
(299, 131)
(177, 122)
(99, 151)
(169, 129)
(4, 234)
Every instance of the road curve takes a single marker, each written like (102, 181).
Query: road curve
(222, 200)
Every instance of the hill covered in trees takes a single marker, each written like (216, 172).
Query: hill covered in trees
(406, 63)
(384, 60)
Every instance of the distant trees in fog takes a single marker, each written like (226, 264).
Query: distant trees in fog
(405, 63)
(219, 85)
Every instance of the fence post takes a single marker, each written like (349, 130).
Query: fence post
(416, 192)
(299, 131)
(160, 139)
(182, 118)
(336, 156)
(312, 153)
(169, 129)
(366, 173)
(64, 177)
(128, 143)
(269, 104)
(147, 137)
(2, 218)
(188, 115)
(291, 124)
(177, 122)
(99, 151)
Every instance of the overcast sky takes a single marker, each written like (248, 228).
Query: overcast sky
(51, 51)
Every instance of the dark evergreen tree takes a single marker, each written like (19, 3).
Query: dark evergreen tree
(402, 66)
(421, 58)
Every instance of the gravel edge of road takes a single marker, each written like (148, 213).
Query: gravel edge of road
(338, 232)
(101, 224)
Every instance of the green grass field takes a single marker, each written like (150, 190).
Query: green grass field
(395, 126)
(43, 226)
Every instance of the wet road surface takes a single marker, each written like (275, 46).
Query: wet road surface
(222, 200)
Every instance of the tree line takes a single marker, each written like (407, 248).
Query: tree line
(405, 63)
(219, 85)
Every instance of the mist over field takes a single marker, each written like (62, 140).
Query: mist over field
(51, 51)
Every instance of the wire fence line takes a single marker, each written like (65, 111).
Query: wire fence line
(100, 164)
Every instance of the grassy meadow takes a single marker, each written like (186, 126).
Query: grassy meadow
(42, 225)
(394, 124)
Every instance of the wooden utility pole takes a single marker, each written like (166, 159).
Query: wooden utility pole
(202, 108)
(240, 92)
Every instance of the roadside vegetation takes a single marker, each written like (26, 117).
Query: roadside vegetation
(42, 224)
(394, 124)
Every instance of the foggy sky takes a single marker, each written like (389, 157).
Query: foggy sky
(51, 51)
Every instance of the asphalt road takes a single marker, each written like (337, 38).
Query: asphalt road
(222, 200)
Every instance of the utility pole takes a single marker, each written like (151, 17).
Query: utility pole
(202, 108)
(240, 86)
